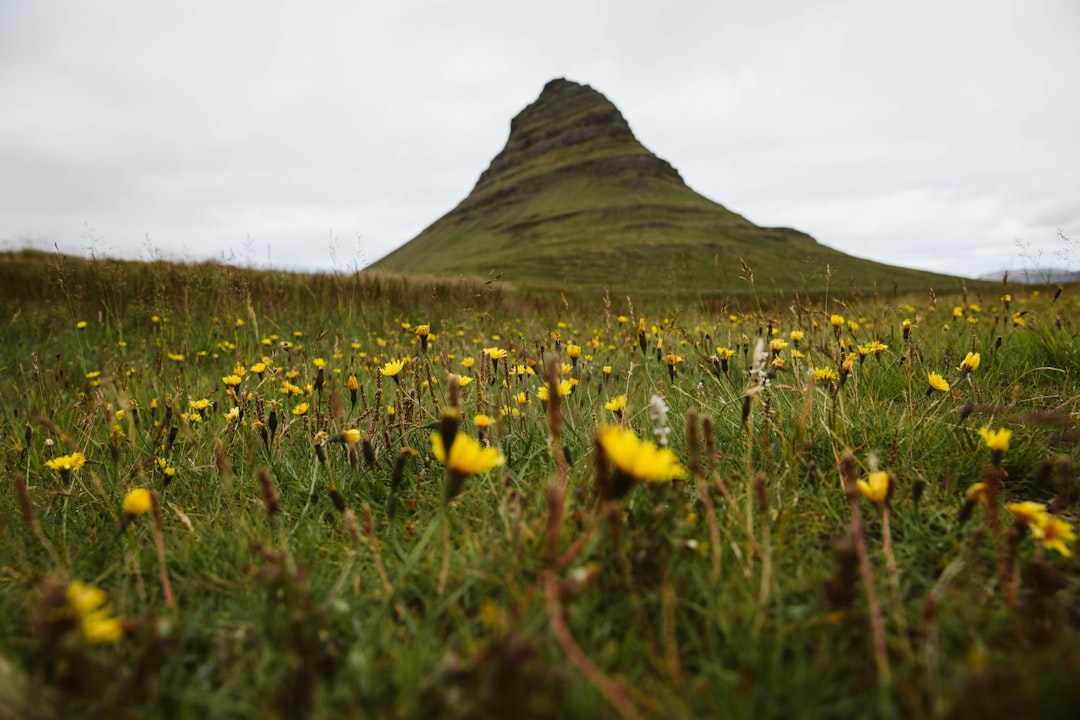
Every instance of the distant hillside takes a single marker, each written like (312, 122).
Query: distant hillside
(575, 202)
(1034, 276)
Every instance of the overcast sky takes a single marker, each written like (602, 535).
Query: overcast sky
(323, 134)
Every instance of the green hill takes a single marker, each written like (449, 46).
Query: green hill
(575, 202)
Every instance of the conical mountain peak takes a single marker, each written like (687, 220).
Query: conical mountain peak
(574, 201)
(570, 120)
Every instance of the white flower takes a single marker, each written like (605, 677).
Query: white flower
(658, 411)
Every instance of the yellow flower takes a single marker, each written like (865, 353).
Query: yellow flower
(233, 414)
(978, 492)
(464, 380)
(574, 351)
(937, 382)
(1027, 512)
(467, 456)
(350, 436)
(96, 622)
(287, 388)
(258, 368)
(616, 404)
(300, 410)
(352, 383)
(1054, 533)
(495, 353)
(230, 380)
(392, 368)
(483, 421)
(468, 362)
(67, 463)
(875, 487)
(566, 386)
(996, 440)
(637, 459)
(776, 345)
(796, 336)
(825, 374)
(837, 321)
(319, 362)
(724, 353)
(199, 404)
(137, 502)
(969, 364)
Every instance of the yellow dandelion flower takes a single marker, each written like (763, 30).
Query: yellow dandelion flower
(483, 421)
(95, 619)
(137, 502)
(66, 463)
(824, 375)
(969, 364)
(616, 404)
(467, 456)
(978, 492)
(393, 368)
(300, 410)
(996, 440)
(937, 382)
(1054, 532)
(637, 460)
(350, 436)
(875, 487)
(1027, 512)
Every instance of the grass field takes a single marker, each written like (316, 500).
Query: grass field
(225, 495)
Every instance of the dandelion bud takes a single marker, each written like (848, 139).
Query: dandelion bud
(270, 497)
(337, 499)
(368, 452)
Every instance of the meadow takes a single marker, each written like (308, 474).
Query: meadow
(231, 493)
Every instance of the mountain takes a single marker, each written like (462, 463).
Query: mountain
(574, 202)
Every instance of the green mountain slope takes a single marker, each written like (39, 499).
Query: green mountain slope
(575, 202)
